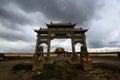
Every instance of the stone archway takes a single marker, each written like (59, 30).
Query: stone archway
(60, 31)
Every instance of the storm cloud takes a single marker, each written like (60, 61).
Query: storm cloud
(18, 18)
(77, 11)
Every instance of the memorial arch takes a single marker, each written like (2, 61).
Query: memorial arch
(60, 31)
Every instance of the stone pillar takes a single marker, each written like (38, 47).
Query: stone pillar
(48, 49)
(118, 54)
(38, 62)
(74, 55)
(84, 40)
(38, 58)
(37, 44)
(85, 59)
(73, 45)
(48, 44)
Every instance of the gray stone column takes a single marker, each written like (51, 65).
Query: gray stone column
(73, 45)
(37, 44)
(48, 48)
(85, 59)
(74, 55)
(118, 54)
(84, 41)
(48, 44)
(38, 58)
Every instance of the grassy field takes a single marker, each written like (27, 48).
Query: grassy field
(6, 70)
(32, 54)
(61, 72)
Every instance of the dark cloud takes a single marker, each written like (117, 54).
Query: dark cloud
(12, 21)
(16, 36)
(96, 44)
(5, 2)
(10, 25)
(115, 42)
(77, 11)
(13, 16)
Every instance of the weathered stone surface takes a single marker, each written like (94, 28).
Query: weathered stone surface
(87, 66)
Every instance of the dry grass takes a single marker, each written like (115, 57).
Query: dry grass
(6, 72)
(56, 71)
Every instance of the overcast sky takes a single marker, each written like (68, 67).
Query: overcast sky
(18, 18)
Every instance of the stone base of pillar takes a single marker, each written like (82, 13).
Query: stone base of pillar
(74, 57)
(36, 70)
(87, 66)
(37, 66)
(118, 54)
(86, 63)
(48, 55)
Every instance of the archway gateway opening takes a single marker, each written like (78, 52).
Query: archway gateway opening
(44, 45)
(65, 43)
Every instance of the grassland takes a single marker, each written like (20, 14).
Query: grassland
(16, 69)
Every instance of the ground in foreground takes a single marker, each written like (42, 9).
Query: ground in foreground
(21, 70)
